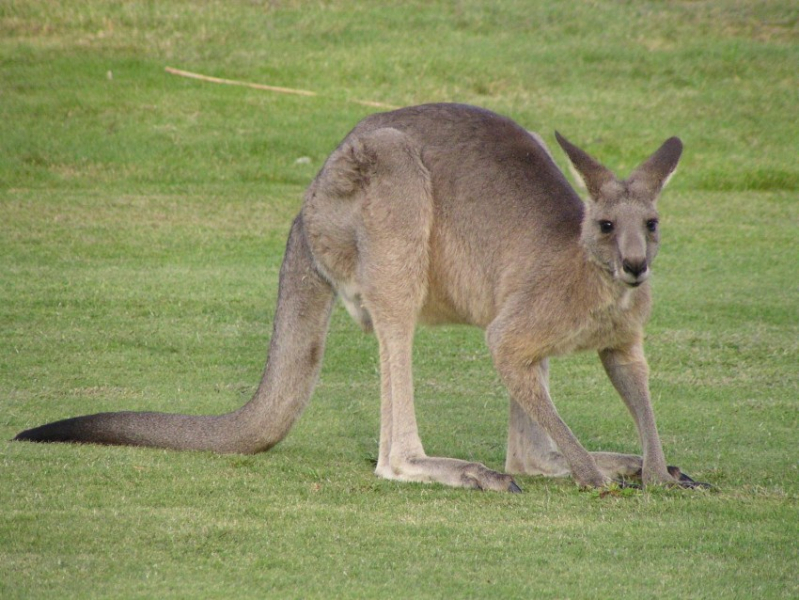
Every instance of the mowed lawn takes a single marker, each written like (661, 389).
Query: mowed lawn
(142, 222)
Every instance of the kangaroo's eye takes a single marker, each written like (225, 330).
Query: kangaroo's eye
(652, 225)
(605, 226)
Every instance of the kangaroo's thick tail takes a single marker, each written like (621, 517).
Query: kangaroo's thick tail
(295, 356)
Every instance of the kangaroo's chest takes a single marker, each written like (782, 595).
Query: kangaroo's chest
(608, 325)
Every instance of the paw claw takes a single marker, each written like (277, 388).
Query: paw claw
(685, 481)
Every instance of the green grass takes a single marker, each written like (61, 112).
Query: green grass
(142, 221)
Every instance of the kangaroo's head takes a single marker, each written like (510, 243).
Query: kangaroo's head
(620, 226)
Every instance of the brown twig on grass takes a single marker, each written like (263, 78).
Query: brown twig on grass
(256, 86)
(260, 86)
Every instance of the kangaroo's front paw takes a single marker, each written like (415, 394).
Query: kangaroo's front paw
(590, 478)
(478, 477)
(673, 477)
(685, 481)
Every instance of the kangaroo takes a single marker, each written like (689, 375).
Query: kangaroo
(447, 213)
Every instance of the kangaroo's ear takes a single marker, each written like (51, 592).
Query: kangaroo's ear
(654, 173)
(593, 175)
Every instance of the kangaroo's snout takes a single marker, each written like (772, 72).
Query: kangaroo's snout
(634, 271)
(634, 267)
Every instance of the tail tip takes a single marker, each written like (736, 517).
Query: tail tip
(58, 431)
(29, 435)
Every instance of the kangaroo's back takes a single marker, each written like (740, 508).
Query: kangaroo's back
(487, 164)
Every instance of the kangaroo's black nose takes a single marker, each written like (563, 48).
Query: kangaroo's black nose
(634, 267)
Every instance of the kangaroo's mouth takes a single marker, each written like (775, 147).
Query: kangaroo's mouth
(630, 279)
(633, 281)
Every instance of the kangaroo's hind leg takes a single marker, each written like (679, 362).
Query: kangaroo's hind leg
(396, 218)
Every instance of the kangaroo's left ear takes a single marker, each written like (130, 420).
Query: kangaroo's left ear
(592, 173)
(656, 171)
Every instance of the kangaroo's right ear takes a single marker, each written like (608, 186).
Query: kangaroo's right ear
(593, 174)
(654, 173)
